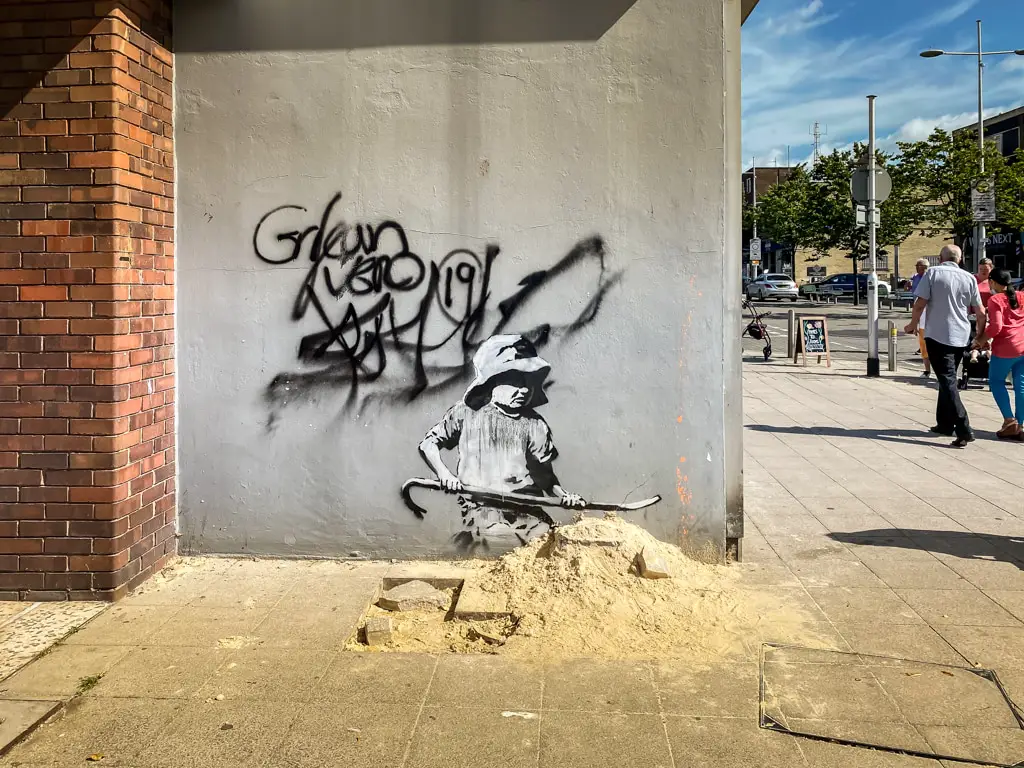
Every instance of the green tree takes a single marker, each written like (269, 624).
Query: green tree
(832, 212)
(1010, 193)
(947, 165)
(782, 211)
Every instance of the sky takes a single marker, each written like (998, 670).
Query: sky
(817, 60)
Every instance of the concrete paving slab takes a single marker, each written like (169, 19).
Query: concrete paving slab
(944, 696)
(728, 689)
(185, 579)
(990, 574)
(996, 745)
(311, 625)
(225, 734)
(357, 679)
(373, 735)
(486, 682)
(8, 610)
(859, 605)
(998, 648)
(885, 735)
(19, 718)
(600, 740)
(826, 692)
(593, 685)
(118, 729)
(914, 642)
(737, 743)
(27, 633)
(475, 738)
(124, 624)
(962, 607)
(62, 673)
(917, 575)
(819, 754)
(836, 574)
(161, 673)
(1010, 600)
(208, 627)
(268, 674)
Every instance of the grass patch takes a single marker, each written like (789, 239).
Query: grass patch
(88, 683)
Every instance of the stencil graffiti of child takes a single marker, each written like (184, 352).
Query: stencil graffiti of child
(504, 446)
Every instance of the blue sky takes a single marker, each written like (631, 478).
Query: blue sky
(807, 60)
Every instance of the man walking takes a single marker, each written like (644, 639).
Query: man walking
(949, 293)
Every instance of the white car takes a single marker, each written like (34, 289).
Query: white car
(772, 285)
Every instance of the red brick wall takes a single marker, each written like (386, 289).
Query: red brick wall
(87, 471)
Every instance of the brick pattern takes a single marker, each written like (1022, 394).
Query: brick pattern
(87, 470)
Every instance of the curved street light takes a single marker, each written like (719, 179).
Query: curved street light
(932, 53)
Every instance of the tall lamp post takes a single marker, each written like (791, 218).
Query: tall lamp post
(979, 238)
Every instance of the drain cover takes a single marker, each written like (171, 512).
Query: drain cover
(915, 708)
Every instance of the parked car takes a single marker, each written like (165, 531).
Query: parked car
(842, 285)
(772, 285)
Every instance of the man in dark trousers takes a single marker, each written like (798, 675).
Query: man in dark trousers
(950, 294)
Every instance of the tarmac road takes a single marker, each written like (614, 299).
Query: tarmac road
(847, 329)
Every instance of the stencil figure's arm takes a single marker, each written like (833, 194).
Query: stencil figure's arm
(430, 450)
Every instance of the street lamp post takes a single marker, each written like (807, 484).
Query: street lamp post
(979, 238)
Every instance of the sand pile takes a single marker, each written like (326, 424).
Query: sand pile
(576, 593)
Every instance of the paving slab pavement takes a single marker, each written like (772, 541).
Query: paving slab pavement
(894, 543)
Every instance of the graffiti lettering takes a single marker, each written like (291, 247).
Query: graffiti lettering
(384, 308)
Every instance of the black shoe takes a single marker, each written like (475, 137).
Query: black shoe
(944, 432)
(961, 442)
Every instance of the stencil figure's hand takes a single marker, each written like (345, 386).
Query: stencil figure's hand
(450, 484)
(573, 500)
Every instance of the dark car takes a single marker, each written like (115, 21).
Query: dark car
(842, 285)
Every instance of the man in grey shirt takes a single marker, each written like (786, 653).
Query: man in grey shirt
(950, 295)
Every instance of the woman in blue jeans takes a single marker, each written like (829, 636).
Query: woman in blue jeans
(1005, 329)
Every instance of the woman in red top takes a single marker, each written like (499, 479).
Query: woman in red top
(984, 270)
(1005, 328)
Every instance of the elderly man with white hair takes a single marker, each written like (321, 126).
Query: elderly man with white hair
(949, 293)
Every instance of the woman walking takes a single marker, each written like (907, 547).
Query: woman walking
(1005, 329)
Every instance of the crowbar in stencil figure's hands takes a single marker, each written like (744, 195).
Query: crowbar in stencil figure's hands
(504, 477)
(496, 497)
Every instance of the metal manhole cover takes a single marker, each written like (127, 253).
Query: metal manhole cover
(909, 707)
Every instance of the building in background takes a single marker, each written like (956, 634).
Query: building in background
(775, 257)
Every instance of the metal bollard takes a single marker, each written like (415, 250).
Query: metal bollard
(790, 328)
(893, 347)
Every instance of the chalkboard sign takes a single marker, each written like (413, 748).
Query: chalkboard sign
(812, 339)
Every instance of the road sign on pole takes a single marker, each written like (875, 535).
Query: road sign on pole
(983, 199)
(755, 248)
(859, 185)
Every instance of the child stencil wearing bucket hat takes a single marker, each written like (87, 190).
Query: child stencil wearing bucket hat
(504, 446)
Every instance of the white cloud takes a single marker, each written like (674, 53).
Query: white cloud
(798, 20)
(920, 128)
(947, 15)
(823, 76)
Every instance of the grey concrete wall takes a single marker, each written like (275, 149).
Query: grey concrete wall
(592, 175)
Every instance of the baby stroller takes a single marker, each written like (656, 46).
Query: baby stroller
(757, 329)
(975, 363)
(975, 366)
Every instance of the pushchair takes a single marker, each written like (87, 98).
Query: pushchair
(975, 362)
(975, 366)
(757, 329)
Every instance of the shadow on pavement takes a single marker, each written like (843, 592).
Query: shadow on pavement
(969, 546)
(889, 435)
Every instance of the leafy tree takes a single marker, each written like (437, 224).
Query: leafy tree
(782, 211)
(947, 165)
(832, 212)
